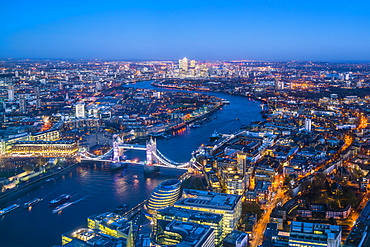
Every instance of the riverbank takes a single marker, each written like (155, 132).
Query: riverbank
(201, 89)
(14, 193)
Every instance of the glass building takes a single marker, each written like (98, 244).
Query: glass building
(164, 195)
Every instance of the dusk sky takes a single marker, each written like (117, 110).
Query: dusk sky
(324, 30)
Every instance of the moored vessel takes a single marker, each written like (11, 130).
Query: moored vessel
(148, 169)
(215, 135)
(121, 208)
(117, 165)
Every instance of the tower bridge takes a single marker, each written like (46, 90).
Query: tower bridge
(153, 156)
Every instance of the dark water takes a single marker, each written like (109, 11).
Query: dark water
(104, 190)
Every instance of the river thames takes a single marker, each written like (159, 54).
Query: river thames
(103, 190)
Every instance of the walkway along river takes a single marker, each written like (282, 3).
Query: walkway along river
(38, 227)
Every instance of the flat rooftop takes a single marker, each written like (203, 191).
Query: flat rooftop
(180, 213)
(205, 199)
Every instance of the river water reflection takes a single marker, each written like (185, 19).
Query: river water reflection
(104, 190)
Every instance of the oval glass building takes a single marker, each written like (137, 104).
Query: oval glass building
(164, 195)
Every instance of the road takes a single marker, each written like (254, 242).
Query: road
(259, 228)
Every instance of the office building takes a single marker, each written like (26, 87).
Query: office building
(303, 234)
(228, 205)
(185, 215)
(11, 93)
(236, 239)
(85, 237)
(177, 233)
(113, 225)
(308, 124)
(22, 103)
(45, 148)
(183, 64)
(164, 195)
(80, 110)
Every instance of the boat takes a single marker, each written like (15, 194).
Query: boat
(32, 202)
(61, 207)
(215, 136)
(121, 208)
(159, 134)
(59, 200)
(50, 179)
(117, 165)
(194, 126)
(148, 169)
(8, 209)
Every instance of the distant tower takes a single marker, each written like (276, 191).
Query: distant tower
(11, 93)
(16, 73)
(183, 64)
(37, 92)
(193, 64)
(151, 147)
(98, 86)
(307, 124)
(37, 95)
(22, 103)
(80, 110)
(279, 85)
(38, 103)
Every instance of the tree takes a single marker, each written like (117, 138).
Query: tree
(40, 161)
(28, 167)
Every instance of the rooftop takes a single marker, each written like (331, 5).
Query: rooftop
(205, 199)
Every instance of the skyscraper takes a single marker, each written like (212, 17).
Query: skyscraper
(22, 103)
(11, 93)
(183, 64)
(307, 124)
(80, 110)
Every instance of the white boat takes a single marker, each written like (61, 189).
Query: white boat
(61, 207)
(8, 209)
(33, 202)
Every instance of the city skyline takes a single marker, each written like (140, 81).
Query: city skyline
(255, 30)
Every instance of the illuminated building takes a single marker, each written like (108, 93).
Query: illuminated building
(307, 124)
(164, 195)
(235, 239)
(113, 225)
(81, 123)
(305, 234)
(47, 135)
(85, 237)
(176, 233)
(80, 110)
(22, 103)
(228, 205)
(186, 215)
(45, 148)
(192, 64)
(11, 93)
(183, 64)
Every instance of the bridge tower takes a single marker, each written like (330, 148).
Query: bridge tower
(151, 149)
(116, 153)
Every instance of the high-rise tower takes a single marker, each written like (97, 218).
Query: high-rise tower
(11, 93)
